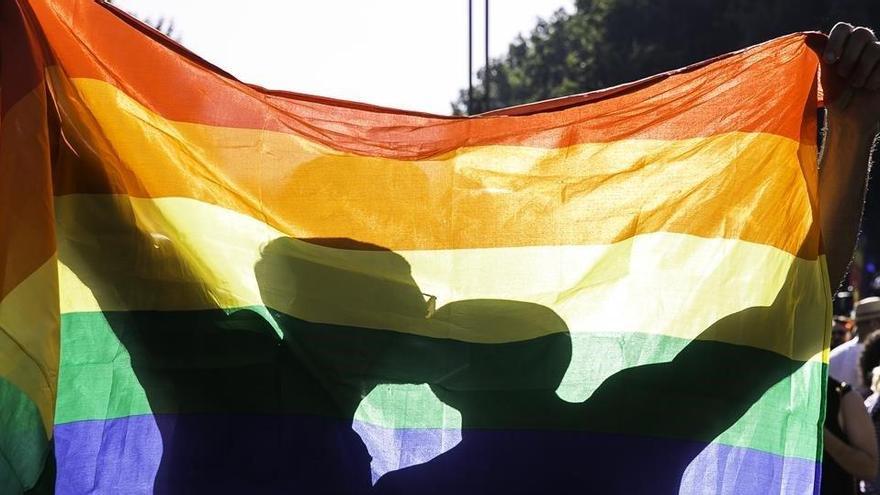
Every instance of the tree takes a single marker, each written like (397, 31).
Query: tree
(608, 42)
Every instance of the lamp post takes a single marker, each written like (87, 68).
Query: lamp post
(470, 100)
(486, 63)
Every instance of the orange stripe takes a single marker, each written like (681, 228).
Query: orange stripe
(768, 86)
(726, 186)
(27, 219)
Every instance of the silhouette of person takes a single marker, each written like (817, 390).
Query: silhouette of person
(518, 436)
(239, 409)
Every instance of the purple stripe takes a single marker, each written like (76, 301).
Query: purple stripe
(296, 454)
(601, 463)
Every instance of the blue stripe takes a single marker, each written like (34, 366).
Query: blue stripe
(302, 454)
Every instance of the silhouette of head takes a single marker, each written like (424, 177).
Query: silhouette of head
(348, 311)
(338, 281)
(532, 359)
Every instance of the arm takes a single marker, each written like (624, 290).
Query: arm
(859, 457)
(850, 57)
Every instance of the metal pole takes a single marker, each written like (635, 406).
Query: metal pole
(486, 66)
(470, 100)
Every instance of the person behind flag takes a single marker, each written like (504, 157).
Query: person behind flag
(849, 441)
(853, 53)
(870, 365)
(844, 361)
(850, 60)
(841, 331)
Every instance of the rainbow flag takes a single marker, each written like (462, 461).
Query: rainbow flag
(210, 287)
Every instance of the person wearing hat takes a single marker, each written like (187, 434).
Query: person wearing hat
(841, 330)
(844, 361)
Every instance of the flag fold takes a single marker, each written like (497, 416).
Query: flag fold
(207, 286)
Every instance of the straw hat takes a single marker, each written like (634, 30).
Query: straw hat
(866, 309)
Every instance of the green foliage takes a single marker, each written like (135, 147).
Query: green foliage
(608, 42)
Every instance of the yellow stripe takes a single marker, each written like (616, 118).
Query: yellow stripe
(727, 185)
(29, 338)
(192, 255)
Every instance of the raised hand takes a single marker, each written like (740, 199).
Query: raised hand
(851, 58)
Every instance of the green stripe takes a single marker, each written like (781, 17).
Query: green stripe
(782, 421)
(127, 363)
(23, 442)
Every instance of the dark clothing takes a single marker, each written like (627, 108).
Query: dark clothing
(835, 479)
(872, 403)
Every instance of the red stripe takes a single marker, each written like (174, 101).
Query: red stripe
(21, 53)
(98, 43)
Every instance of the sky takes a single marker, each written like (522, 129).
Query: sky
(409, 54)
